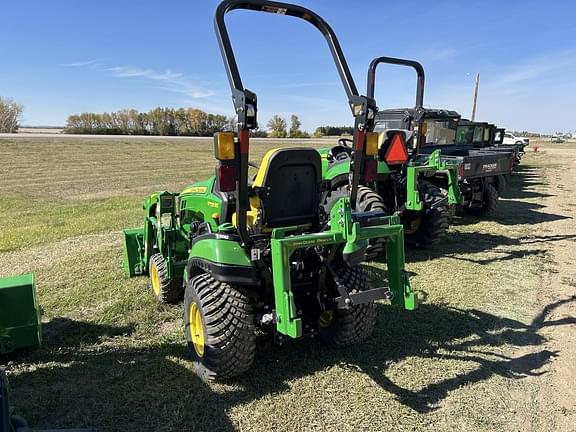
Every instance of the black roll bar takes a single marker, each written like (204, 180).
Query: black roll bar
(402, 62)
(245, 101)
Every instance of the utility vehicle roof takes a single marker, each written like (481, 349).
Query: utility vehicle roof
(429, 113)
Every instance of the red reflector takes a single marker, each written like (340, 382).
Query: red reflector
(397, 153)
(226, 178)
(461, 170)
(370, 170)
(359, 137)
(244, 138)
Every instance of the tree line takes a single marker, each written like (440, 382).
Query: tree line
(10, 114)
(158, 121)
(173, 122)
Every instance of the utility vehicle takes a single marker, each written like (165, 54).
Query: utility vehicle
(398, 182)
(262, 253)
(481, 173)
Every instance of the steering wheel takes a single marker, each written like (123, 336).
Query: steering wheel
(340, 153)
(344, 142)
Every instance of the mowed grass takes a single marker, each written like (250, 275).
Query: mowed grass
(115, 360)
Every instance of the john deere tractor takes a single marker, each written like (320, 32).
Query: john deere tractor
(262, 253)
(397, 181)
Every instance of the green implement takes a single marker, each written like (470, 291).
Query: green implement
(19, 314)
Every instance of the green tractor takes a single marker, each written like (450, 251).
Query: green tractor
(261, 253)
(395, 181)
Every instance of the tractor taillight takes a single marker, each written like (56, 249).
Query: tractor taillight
(396, 153)
(224, 145)
(370, 170)
(461, 170)
(226, 178)
(372, 143)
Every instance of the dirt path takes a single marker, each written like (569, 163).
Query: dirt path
(551, 406)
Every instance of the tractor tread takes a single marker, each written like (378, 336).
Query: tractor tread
(171, 290)
(354, 325)
(368, 200)
(435, 221)
(228, 320)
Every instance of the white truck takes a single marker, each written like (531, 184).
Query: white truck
(510, 138)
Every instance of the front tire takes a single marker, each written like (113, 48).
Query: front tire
(354, 325)
(219, 327)
(166, 289)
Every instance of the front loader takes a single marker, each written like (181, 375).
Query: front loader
(399, 179)
(262, 253)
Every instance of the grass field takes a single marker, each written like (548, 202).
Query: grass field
(115, 360)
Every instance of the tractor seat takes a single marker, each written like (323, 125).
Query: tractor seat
(288, 187)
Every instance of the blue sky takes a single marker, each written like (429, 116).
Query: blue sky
(63, 57)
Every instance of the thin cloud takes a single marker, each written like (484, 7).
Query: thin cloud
(169, 80)
(81, 64)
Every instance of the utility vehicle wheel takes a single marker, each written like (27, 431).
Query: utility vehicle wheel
(166, 290)
(489, 204)
(349, 326)
(502, 186)
(429, 225)
(219, 327)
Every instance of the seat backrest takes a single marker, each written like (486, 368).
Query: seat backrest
(289, 180)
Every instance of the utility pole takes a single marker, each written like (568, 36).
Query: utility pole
(473, 117)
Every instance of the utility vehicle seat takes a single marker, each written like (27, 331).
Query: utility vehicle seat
(288, 187)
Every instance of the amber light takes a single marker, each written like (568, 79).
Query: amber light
(372, 143)
(224, 145)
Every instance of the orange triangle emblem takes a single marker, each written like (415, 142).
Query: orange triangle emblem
(397, 153)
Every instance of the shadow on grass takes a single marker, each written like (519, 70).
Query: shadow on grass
(458, 245)
(512, 212)
(125, 388)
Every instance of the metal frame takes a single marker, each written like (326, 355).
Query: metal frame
(245, 101)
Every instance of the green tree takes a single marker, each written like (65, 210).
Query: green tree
(277, 126)
(295, 124)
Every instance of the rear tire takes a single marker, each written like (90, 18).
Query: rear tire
(354, 325)
(502, 186)
(489, 205)
(367, 201)
(167, 290)
(433, 222)
(222, 340)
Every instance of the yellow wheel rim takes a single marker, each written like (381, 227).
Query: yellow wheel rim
(325, 319)
(155, 279)
(196, 329)
(414, 226)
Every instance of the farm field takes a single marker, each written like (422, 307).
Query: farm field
(491, 347)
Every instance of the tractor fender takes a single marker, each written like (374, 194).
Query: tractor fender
(338, 173)
(222, 256)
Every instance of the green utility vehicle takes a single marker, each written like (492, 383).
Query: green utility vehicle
(397, 181)
(262, 253)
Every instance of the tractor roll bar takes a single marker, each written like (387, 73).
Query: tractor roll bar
(245, 102)
(397, 61)
(282, 9)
